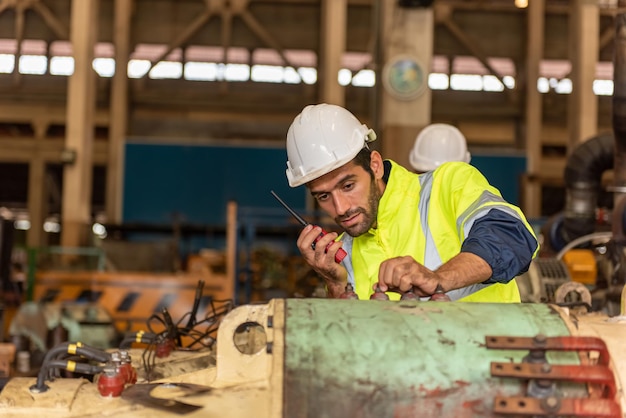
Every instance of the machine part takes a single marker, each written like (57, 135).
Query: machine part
(111, 382)
(139, 337)
(583, 181)
(339, 255)
(601, 235)
(410, 295)
(126, 367)
(440, 295)
(164, 347)
(196, 305)
(64, 350)
(543, 343)
(582, 266)
(390, 389)
(594, 374)
(349, 293)
(542, 279)
(342, 358)
(557, 407)
(564, 290)
(71, 366)
(7, 356)
(379, 294)
(22, 365)
(143, 394)
(124, 300)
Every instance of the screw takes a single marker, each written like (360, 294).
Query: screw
(551, 404)
(540, 339)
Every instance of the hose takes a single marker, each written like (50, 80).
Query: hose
(71, 366)
(582, 240)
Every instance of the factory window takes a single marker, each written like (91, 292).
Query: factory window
(234, 72)
(211, 63)
(603, 87)
(137, 68)
(62, 66)
(105, 67)
(438, 81)
(309, 75)
(466, 82)
(167, 69)
(292, 76)
(33, 64)
(364, 78)
(201, 71)
(563, 86)
(7, 63)
(267, 73)
(344, 77)
(492, 83)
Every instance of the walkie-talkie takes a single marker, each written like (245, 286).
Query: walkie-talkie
(339, 255)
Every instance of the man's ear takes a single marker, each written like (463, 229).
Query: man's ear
(376, 164)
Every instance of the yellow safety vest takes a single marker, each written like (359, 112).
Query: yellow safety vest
(428, 217)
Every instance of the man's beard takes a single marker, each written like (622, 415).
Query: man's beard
(369, 215)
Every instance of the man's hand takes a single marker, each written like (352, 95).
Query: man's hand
(402, 274)
(320, 256)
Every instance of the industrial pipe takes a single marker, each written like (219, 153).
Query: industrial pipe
(619, 107)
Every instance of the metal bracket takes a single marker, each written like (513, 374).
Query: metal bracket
(602, 404)
(543, 343)
(599, 375)
(557, 407)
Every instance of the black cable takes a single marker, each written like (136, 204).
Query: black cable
(71, 366)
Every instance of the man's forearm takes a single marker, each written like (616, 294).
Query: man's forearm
(463, 270)
(335, 278)
(334, 289)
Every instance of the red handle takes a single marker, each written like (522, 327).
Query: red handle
(339, 255)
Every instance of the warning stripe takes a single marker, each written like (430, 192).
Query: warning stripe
(131, 299)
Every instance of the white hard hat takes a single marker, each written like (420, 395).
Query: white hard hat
(322, 138)
(436, 144)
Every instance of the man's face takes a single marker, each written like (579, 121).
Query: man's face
(350, 195)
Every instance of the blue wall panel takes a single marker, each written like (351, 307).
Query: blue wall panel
(503, 171)
(196, 182)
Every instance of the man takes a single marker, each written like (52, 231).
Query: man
(436, 144)
(403, 231)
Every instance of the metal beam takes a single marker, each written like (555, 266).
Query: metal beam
(119, 112)
(76, 210)
(533, 114)
(334, 22)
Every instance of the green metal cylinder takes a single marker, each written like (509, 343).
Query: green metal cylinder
(352, 358)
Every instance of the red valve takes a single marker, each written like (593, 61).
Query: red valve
(379, 294)
(111, 382)
(349, 293)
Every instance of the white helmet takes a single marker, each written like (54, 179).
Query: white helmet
(436, 144)
(322, 138)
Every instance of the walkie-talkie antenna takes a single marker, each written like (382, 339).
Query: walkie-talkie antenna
(286, 206)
